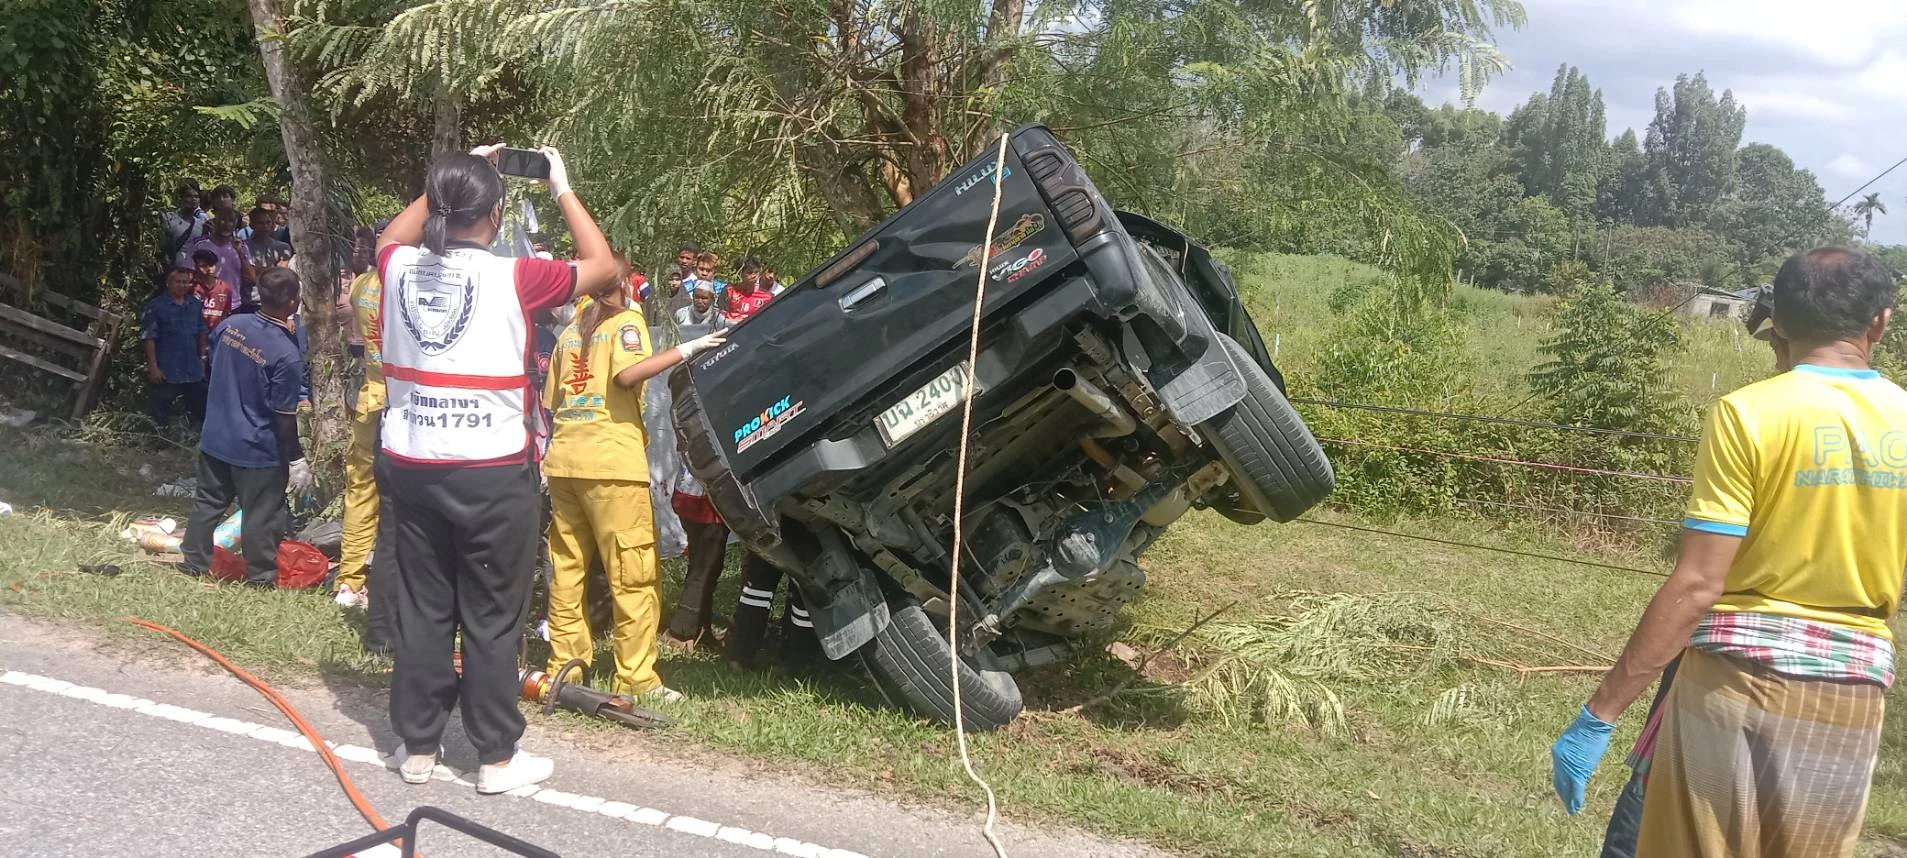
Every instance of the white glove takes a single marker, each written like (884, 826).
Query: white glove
(699, 345)
(559, 173)
(488, 150)
(300, 477)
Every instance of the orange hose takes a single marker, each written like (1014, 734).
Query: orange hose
(271, 694)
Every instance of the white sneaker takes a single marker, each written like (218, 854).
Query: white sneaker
(349, 598)
(660, 694)
(416, 768)
(522, 770)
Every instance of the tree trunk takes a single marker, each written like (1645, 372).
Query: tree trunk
(446, 134)
(838, 171)
(317, 260)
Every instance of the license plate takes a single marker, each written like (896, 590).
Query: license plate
(921, 407)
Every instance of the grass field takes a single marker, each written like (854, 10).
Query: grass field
(1360, 698)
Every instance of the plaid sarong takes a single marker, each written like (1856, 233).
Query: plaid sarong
(1803, 649)
(1750, 763)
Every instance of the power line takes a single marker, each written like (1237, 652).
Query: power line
(1883, 175)
(1500, 421)
(1512, 551)
(1562, 511)
(1637, 475)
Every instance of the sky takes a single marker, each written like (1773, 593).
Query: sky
(1825, 80)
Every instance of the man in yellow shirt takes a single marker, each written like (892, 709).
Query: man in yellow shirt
(598, 470)
(1792, 551)
(361, 520)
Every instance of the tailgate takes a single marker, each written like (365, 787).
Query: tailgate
(896, 296)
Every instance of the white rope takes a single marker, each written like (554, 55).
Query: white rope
(960, 496)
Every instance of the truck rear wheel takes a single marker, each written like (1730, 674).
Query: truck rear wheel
(910, 660)
(1277, 466)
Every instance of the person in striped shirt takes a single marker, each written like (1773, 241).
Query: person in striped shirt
(1790, 568)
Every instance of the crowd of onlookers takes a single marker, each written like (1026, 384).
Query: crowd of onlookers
(209, 259)
(480, 377)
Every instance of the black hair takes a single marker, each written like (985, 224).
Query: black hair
(224, 191)
(463, 189)
(187, 185)
(277, 287)
(204, 255)
(1831, 293)
(689, 246)
(258, 210)
(749, 263)
(180, 269)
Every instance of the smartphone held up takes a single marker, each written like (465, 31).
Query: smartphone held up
(523, 163)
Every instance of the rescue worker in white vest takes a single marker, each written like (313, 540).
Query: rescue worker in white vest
(456, 445)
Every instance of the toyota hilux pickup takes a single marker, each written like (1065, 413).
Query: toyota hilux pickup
(1119, 384)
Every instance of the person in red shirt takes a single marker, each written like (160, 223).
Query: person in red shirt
(748, 294)
(215, 295)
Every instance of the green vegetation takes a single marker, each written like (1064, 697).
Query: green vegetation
(1362, 697)
(1685, 203)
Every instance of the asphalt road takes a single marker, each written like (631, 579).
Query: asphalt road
(106, 750)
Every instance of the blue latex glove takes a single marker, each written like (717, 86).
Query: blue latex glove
(1575, 756)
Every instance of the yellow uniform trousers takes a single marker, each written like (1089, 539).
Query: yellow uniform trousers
(360, 500)
(610, 519)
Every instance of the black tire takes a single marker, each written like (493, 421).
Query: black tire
(1277, 466)
(909, 660)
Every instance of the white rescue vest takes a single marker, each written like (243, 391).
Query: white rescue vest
(455, 344)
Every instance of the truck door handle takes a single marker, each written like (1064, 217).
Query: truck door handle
(862, 292)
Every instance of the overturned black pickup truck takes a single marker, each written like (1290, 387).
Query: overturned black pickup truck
(1119, 384)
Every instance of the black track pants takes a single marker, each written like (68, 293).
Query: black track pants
(466, 552)
(752, 614)
(380, 627)
(260, 494)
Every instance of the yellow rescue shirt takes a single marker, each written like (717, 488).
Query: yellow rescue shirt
(367, 308)
(597, 429)
(1810, 469)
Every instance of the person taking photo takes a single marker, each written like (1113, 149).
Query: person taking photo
(456, 457)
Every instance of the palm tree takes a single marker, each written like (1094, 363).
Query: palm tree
(1866, 209)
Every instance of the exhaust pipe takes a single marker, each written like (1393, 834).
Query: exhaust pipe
(1118, 422)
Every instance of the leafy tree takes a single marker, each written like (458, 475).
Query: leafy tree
(1869, 206)
(1776, 209)
(97, 116)
(1559, 143)
(1690, 152)
(1467, 127)
(1634, 257)
(789, 125)
(1608, 364)
(1620, 198)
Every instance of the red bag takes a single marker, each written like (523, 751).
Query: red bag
(227, 566)
(300, 565)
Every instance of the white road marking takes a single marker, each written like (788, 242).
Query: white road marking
(633, 813)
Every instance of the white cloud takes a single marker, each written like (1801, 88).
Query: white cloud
(1850, 166)
(1791, 104)
(1841, 33)
(1886, 77)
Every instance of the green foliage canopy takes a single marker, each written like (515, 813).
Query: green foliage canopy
(787, 126)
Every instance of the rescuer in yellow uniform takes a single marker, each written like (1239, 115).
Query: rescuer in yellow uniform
(598, 470)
